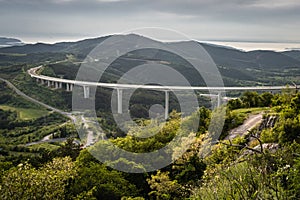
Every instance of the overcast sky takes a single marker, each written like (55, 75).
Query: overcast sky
(225, 20)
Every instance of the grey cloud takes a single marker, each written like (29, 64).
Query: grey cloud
(235, 18)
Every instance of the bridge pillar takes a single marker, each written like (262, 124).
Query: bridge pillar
(56, 85)
(86, 91)
(49, 83)
(60, 85)
(120, 100)
(67, 87)
(71, 87)
(167, 97)
(219, 99)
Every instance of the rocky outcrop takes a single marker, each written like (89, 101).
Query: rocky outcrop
(268, 122)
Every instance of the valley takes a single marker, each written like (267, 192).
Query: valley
(250, 159)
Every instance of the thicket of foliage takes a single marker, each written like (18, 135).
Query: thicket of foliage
(251, 100)
(236, 170)
(233, 172)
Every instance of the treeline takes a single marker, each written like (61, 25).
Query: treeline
(251, 100)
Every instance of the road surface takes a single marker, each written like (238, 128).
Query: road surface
(250, 123)
(47, 141)
(47, 138)
(33, 73)
(10, 85)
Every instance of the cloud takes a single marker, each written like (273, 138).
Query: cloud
(231, 19)
(271, 4)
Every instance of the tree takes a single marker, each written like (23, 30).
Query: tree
(70, 148)
(48, 182)
(295, 103)
(101, 182)
(234, 104)
(189, 168)
(163, 188)
(250, 99)
(288, 130)
(266, 99)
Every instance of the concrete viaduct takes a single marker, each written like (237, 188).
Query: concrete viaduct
(69, 84)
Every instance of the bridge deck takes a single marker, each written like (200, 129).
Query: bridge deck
(32, 72)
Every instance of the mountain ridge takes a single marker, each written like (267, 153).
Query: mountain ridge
(237, 67)
(222, 55)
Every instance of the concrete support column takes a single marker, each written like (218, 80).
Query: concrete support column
(68, 87)
(49, 83)
(60, 85)
(120, 100)
(56, 85)
(86, 91)
(219, 99)
(71, 87)
(37, 80)
(167, 97)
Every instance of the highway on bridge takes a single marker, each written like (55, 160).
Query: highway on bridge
(33, 73)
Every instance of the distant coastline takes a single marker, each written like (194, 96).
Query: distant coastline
(240, 45)
(251, 46)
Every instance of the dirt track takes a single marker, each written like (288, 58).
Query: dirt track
(250, 123)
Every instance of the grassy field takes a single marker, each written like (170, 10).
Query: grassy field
(250, 110)
(13, 54)
(245, 112)
(47, 146)
(26, 113)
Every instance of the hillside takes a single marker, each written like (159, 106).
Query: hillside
(294, 54)
(82, 47)
(223, 56)
(252, 59)
(262, 162)
(237, 67)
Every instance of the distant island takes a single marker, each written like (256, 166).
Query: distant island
(8, 42)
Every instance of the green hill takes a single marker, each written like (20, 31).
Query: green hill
(237, 67)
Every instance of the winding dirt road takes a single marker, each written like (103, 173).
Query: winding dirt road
(250, 123)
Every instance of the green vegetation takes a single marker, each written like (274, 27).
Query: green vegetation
(26, 113)
(247, 111)
(234, 170)
(45, 146)
(23, 122)
(264, 164)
